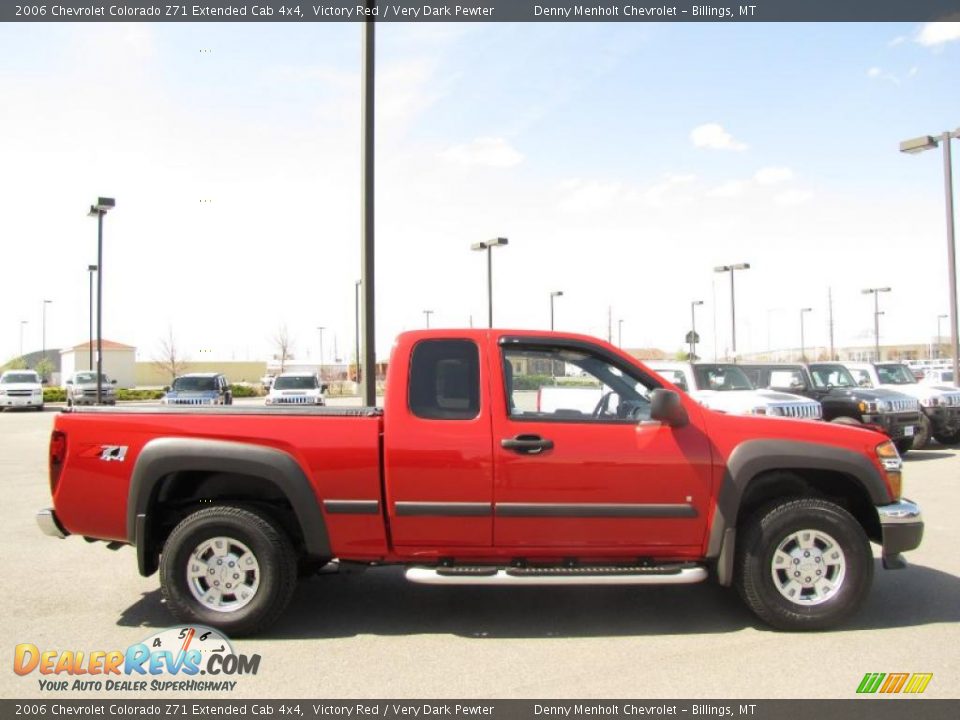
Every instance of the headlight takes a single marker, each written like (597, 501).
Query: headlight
(3, 392)
(761, 410)
(269, 401)
(164, 401)
(38, 391)
(930, 402)
(892, 467)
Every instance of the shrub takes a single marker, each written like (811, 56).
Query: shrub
(54, 394)
(245, 391)
(531, 382)
(139, 394)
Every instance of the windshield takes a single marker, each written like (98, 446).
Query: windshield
(88, 377)
(721, 377)
(297, 382)
(895, 375)
(832, 376)
(193, 384)
(25, 377)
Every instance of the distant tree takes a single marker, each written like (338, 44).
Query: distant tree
(170, 359)
(44, 369)
(18, 363)
(284, 346)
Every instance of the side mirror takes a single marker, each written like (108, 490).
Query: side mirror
(113, 382)
(666, 406)
(323, 387)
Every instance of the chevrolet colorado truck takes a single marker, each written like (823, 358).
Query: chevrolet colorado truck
(463, 481)
(894, 414)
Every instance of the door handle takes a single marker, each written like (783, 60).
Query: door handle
(527, 444)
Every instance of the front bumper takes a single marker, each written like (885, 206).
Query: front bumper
(943, 419)
(901, 525)
(896, 426)
(21, 401)
(49, 524)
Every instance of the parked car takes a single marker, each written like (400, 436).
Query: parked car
(460, 485)
(725, 387)
(296, 389)
(831, 384)
(199, 389)
(939, 377)
(940, 408)
(267, 381)
(82, 389)
(21, 388)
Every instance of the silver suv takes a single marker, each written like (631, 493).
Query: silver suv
(82, 389)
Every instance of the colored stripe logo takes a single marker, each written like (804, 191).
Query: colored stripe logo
(891, 683)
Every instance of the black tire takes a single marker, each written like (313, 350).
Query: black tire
(904, 445)
(923, 433)
(755, 572)
(948, 438)
(270, 547)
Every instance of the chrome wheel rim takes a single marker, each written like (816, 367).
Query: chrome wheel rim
(223, 574)
(808, 567)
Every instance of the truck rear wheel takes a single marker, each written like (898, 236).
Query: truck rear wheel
(228, 567)
(803, 564)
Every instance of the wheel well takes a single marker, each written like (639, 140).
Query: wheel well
(180, 493)
(837, 487)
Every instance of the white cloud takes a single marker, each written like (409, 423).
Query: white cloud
(772, 175)
(657, 195)
(714, 137)
(791, 198)
(898, 40)
(876, 73)
(937, 33)
(873, 72)
(485, 152)
(729, 189)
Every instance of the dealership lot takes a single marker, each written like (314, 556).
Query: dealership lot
(373, 635)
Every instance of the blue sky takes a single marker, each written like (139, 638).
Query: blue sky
(622, 161)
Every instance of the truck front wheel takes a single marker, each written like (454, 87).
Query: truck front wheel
(228, 567)
(924, 430)
(803, 564)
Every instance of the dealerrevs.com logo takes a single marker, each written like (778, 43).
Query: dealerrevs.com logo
(893, 683)
(184, 658)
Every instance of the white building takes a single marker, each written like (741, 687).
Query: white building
(118, 362)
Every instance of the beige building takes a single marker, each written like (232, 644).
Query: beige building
(118, 361)
(149, 374)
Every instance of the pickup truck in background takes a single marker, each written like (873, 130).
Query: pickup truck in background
(463, 481)
(831, 384)
(940, 407)
(725, 387)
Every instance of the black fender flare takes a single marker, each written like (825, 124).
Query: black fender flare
(752, 458)
(163, 456)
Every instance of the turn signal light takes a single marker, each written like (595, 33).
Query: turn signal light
(892, 466)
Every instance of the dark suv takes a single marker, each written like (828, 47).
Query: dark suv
(199, 389)
(844, 401)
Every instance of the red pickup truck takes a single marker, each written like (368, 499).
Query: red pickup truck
(462, 480)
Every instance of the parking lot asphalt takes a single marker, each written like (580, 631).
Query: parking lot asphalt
(372, 634)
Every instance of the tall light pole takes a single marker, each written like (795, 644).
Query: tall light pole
(427, 314)
(733, 301)
(693, 328)
(103, 206)
(488, 246)
(803, 349)
(620, 333)
(43, 329)
(917, 145)
(554, 294)
(91, 269)
(367, 265)
(22, 323)
(320, 329)
(876, 315)
(356, 321)
(939, 337)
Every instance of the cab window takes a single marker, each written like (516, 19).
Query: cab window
(445, 380)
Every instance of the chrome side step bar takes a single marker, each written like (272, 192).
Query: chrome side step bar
(489, 575)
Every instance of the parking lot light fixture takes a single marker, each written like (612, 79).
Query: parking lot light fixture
(22, 323)
(91, 269)
(918, 145)
(427, 314)
(939, 336)
(43, 330)
(101, 208)
(693, 328)
(320, 329)
(488, 245)
(803, 349)
(876, 315)
(356, 321)
(554, 294)
(733, 301)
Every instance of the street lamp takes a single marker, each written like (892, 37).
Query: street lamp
(553, 294)
(91, 269)
(488, 246)
(22, 323)
(876, 315)
(43, 330)
(803, 353)
(103, 206)
(939, 338)
(620, 333)
(320, 329)
(427, 314)
(917, 145)
(693, 329)
(356, 320)
(733, 306)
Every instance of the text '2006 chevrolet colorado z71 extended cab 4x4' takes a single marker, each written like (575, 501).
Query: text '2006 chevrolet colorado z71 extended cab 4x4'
(463, 480)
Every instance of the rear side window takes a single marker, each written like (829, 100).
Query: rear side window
(445, 380)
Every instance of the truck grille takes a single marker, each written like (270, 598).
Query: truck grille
(292, 400)
(951, 399)
(904, 405)
(19, 393)
(800, 410)
(189, 401)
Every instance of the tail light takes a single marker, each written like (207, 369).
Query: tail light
(58, 453)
